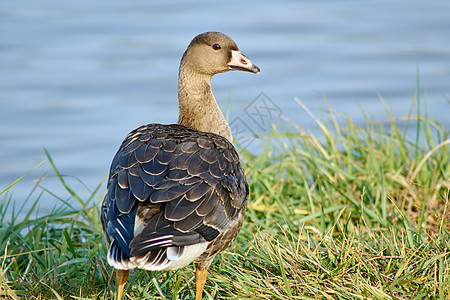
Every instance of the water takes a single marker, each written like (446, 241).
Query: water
(76, 77)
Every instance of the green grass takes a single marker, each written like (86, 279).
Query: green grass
(359, 212)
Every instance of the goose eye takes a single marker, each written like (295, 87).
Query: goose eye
(216, 46)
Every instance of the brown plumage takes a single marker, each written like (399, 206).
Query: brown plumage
(177, 193)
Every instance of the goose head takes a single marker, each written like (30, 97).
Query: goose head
(210, 53)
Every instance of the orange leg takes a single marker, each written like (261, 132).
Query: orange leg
(121, 278)
(200, 280)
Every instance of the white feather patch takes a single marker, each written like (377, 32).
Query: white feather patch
(139, 225)
(190, 253)
(174, 253)
(160, 263)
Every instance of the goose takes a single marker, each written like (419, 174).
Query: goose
(177, 194)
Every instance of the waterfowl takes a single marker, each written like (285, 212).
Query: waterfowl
(177, 193)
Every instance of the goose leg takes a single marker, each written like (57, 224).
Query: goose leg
(121, 278)
(200, 280)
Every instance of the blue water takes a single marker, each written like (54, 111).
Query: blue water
(77, 76)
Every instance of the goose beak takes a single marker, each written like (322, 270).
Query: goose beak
(241, 62)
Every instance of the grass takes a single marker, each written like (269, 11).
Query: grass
(360, 212)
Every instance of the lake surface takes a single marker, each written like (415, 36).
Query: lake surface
(76, 77)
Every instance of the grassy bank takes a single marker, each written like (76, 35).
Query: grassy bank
(359, 212)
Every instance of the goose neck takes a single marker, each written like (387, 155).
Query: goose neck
(198, 107)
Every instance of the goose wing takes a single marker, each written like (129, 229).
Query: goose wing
(170, 187)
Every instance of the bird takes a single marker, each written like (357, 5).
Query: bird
(177, 193)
